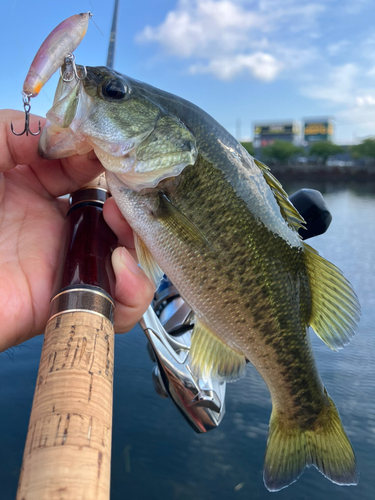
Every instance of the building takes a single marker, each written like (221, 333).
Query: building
(317, 129)
(266, 134)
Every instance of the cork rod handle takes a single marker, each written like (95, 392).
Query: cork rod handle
(68, 447)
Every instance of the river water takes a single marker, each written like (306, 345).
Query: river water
(156, 455)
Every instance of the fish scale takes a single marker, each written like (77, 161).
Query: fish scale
(221, 227)
(282, 340)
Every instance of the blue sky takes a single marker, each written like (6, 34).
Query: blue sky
(247, 60)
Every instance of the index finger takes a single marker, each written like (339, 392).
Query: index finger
(58, 177)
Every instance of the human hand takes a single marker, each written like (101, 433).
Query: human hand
(31, 229)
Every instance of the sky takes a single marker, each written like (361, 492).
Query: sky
(242, 61)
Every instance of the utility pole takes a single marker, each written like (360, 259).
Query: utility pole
(238, 129)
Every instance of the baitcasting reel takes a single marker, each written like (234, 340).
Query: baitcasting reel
(168, 324)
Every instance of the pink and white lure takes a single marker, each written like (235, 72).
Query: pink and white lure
(59, 44)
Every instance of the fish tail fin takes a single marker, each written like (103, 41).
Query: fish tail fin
(324, 445)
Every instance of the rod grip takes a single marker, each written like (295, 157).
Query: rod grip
(68, 448)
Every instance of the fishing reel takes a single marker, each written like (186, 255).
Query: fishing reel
(168, 324)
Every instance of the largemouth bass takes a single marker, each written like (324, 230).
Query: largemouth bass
(221, 227)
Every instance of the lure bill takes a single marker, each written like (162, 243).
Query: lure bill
(60, 43)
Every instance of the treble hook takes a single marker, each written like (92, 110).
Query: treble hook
(27, 107)
(70, 71)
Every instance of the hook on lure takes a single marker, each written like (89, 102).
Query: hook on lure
(56, 50)
(26, 107)
(70, 71)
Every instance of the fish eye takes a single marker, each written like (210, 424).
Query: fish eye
(114, 89)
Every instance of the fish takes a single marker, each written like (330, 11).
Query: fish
(220, 225)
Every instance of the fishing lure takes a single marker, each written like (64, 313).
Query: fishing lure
(56, 50)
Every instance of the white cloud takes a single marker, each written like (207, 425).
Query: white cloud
(230, 37)
(201, 26)
(337, 48)
(356, 7)
(365, 100)
(347, 98)
(359, 121)
(298, 16)
(261, 65)
(337, 86)
(272, 39)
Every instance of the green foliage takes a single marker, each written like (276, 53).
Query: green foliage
(364, 150)
(280, 151)
(249, 147)
(324, 149)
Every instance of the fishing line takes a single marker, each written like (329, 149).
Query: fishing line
(92, 12)
(100, 31)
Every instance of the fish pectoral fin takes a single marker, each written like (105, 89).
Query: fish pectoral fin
(147, 262)
(335, 310)
(324, 445)
(209, 356)
(180, 224)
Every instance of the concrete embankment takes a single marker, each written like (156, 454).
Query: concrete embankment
(321, 171)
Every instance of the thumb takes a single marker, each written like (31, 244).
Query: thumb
(133, 292)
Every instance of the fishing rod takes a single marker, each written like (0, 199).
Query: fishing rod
(68, 446)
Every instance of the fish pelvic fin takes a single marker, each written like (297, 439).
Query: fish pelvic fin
(147, 262)
(324, 445)
(209, 356)
(335, 310)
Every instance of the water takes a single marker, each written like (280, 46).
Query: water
(156, 455)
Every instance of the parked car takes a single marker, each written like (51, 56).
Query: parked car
(339, 163)
(302, 159)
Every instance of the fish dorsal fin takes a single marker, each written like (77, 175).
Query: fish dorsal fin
(147, 262)
(180, 224)
(335, 311)
(288, 211)
(211, 357)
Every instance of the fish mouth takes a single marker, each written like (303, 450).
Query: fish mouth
(56, 143)
(63, 135)
(60, 137)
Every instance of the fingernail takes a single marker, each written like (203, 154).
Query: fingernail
(121, 259)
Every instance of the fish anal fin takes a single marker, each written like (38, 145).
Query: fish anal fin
(335, 311)
(325, 445)
(209, 356)
(147, 262)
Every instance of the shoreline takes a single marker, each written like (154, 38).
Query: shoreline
(322, 172)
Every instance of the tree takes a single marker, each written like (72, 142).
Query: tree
(324, 149)
(280, 151)
(364, 150)
(249, 147)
